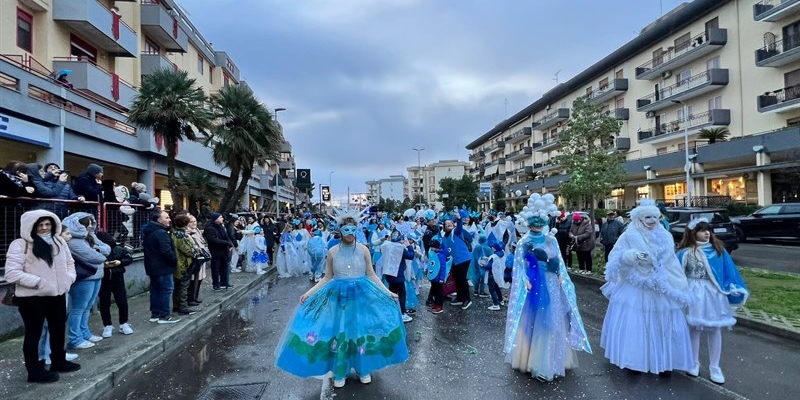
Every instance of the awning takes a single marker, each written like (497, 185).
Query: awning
(491, 170)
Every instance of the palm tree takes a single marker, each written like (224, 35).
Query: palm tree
(171, 105)
(245, 135)
(714, 134)
(198, 186)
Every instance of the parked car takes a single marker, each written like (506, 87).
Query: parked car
(718, 218)
(777, 221)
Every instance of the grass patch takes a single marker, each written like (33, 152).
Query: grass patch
(773, 292)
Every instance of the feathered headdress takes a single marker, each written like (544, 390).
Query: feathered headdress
(539, 209)
(343, 216)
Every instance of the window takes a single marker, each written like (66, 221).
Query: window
(620, 103)
(24, 31)
(619, 74)
(680, 113)
(211, 74)
(200, 65)
(658, 57)
(589, 91)
(81, 50)
(150, 47)
(225, 81)
(683, 77)
(661, 150)
(712, 63)
(682, 42)
(603, 84)
(715, 103)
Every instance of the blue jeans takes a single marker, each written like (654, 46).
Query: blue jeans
(160, 292)
(82, 296)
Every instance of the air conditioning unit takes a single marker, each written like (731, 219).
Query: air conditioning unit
(666, 74)
(650, 114)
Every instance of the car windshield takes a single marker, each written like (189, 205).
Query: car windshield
(714, 217)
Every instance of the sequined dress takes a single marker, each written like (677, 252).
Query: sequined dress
(351, 323)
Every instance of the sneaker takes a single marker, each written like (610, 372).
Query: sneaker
(229, 286)
(694, 371)
(338, 383)
(411, 311)
(502, 302)
(153, 318)
(67, 366)
(168, 320)
(261, 272)
(187, 311)
(715, 373)
(84, 345)
(71, 357)
(407, 318)
(108, 331)
(216, 288)
(466, 305)
(125, 329)
(437, 309)
(95, 338)
(483, 295)
(456, 303)
(365, 379)
(494, 307)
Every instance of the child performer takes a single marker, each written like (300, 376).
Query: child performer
(715, 287)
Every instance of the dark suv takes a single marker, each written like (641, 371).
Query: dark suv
(778, 221)
(721, 225)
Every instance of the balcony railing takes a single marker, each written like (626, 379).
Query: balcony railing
(622, 114)
(780, 53)
(553, 118)
(152, 62)
(781, 100)
(500, 145)
(92, 78)
(613, 88)
(671, 129)
(99, 25)
(690, 50)
(476, 156)
(701, 83)
(775, 10)
(518, 136)
(519, 154)
(548, 143)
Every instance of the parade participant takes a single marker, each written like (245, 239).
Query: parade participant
(286, 252)
(644, 328)
(247, 246)
(438, 268)
(317, 248)
(259, 258)
(397, 278)
(349, 320)
(301, 263)
(480, 251)
(453, 241)
(543, 326)
(715, 287)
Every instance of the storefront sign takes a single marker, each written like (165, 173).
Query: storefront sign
(19, 129)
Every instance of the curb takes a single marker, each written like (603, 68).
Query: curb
(147, 352)
(741, 320)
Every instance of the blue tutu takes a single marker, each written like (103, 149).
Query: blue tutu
(350, 323)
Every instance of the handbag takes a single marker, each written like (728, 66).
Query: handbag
(83, 270)
(200, 254)
(10, 299)
(449, 286)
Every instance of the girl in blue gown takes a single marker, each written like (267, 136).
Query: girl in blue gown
(349, 321)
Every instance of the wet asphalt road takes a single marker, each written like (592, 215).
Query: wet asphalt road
(774, 256)
(454, 355)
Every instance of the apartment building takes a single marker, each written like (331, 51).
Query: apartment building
(424, 180)
(391, 188)
(107, 46)
(731, 64)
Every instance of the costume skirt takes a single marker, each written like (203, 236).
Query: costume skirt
(709, 308)
(349, 324)
(645, 331)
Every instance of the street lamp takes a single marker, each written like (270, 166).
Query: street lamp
(688, 165)
(278, 176)
(422, 178)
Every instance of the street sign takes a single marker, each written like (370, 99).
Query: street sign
(485, 187)
(326, 193)
(303, 178)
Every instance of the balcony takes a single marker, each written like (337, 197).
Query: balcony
(701, 83)
(476, 156)
(96, 24)
(607, 92)
(780, 101)
(520, 172)
(684, 53)
(499, 145)
(161, 26)
(96, 82)
(775, 10)
(547, 165)
(622, 114)
(227, 65)
(547, 144)
(778, 54)
(677, 128)
(518, 136)
(152, 62)
(520, 154)
(555, 117)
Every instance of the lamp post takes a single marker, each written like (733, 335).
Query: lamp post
(421, 179)
(687, 166)
(330, 186)
(278, 175)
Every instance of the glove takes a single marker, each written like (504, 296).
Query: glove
(541, 255)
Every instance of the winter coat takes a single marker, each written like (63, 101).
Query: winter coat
(79, 246)
(584, 234)
(217, 237)
(86, 185)
(610, 232)
(12, 186)
(160, 257)
(118, 253)
(33, 277)
(183, 247)
(200, 242)
(563, 228)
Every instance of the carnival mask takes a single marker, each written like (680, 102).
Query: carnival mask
(348, 230)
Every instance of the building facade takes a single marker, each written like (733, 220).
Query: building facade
(105, 47)
(391, 188)
(425, 180)
(708, 64)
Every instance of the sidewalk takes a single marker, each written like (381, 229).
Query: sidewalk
(758, 320)
(115, 359)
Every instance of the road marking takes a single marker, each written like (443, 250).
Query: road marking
(327, 389)
(717, 388)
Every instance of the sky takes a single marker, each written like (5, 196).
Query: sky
(364, 82)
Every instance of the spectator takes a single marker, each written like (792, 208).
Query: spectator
(219, 245)
(270, 234)
(199, 242)
(90, 256)
(89, 184)
(40, 265)
(14, 181)
(114, 283)
(51, 182)
(610, 232)
(183, 249)
(139, 195)
(563, 225)
(160, 262)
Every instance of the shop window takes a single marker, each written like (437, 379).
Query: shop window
(24, 31)
(734, 187)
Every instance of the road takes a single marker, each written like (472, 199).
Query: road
(454, 355)
(775, 256)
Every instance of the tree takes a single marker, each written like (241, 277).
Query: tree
(462, 192)
(586, 152)
(244, 135)
(714, 135)
(310, 190)
(198, 186)
(498, 196)
(172, 106)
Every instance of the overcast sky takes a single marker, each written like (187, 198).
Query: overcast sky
(366, 81)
